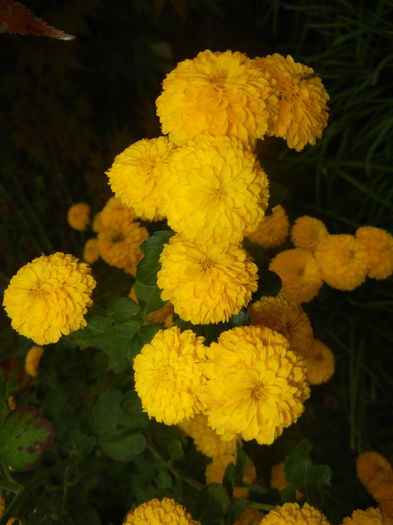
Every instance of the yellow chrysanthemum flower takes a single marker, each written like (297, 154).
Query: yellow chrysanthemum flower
(91, 253)
(135, 172)
(371, 466)
(49, 297)
(159, 512)
(378, 244)
(215, 471)
(286, 317)
(319, 362)
(342, 261)
(278, 481)
(256, 386)
(292, 514)
(213, 190)
(78, 216)
(119, 244)
(113, 211)
(299, 273)
(302, 111)
(168, 373)
(307, 232)
(206, 439)
(370, 516)
(249, 517)
(206, 283)
(216, 94)
(382, 492)
(32, 361)
(272, 230)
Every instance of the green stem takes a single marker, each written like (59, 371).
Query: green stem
(262, 506)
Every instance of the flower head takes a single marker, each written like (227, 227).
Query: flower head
(302, 111)
(91, 253)
(370, 516)
(135, 172)
(286, 317)
(168, 373)
(216, 94)
(49, 297)
(113, 211)
(371, 466)
(33, 359)
(319, 362)
(249, 516)
(206, 283)
(378, 244)
(78, 216)
(272, 230)
(213, 190)
(156, 512)
(292, 514)
(342, 261)
(307, 232)
(215, 471)
(299, 274)
(256, 386)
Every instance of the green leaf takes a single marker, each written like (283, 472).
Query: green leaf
(122, 309)
(107, 412)
(148, 267)
(229, 479)
(164, 479)
(122, 446)
(133, 418)
(270, 283)
(288, 495)
(241, 464)
(144, 335)
(149, 295)
(24, 438)
(240, 319)
(238, 506)
(212, 503)
(175, 449)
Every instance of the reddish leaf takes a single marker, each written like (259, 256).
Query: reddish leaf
(17, 19)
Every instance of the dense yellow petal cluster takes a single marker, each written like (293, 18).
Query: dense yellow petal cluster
(206, 439)
(135, 172)
(48, 297)
(302, 111)
(286, 317)
(342, 261)
(206, 283)
(216, 94)
(213, 190)
(168, 373)
(299, 273)
(370, 516)
(113, 211)
(32, 360)
(319, 362)
(272, 230)
(307, 232)
(91, 253)
(378, 244)
(256, 386)
(215, 471)
(249, 517)
(78, 216)
(293, 514)
(159, 512)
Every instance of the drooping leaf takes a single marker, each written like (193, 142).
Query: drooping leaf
(212, 503)
(24, 438)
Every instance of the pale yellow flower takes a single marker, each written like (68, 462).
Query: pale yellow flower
(78, 216)
(91, 252)
(319, 362)
(307, 232)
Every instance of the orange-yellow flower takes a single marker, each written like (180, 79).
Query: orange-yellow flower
(78, 216)
(292, 514)
(370, 516)
(319, 362)
(249, 516)
(307, 232)
(272, 230)
(32, 361)
(91, 252)
(378, 244)
(159, 512)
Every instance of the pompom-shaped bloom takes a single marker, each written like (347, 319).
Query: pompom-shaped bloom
(286, 317)
(49, 296)
(213, 190)
(372, 467)
(272, 230)
(342, 261)
(134, 174)
(113, 211)
(299, 274)
(382, 492)
(215, 471)
(91, 253)
(378, 244)
(206, 283)
(249, 517)
(78, 216)
(302, 111)
(168, 373)
(160, 512)
(216, 94)
(292, 514)
(319, 362)
(307, 232)
(33, 358)
(206, 440)
(256, 386)
(370, 516)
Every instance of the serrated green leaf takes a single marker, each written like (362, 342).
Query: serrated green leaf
(107, 412)
(122, 446)
(24, 438)
(212, 503)
(144, 335)
(148, 267)
(149, 295)
(122, 310)
(133, 418)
